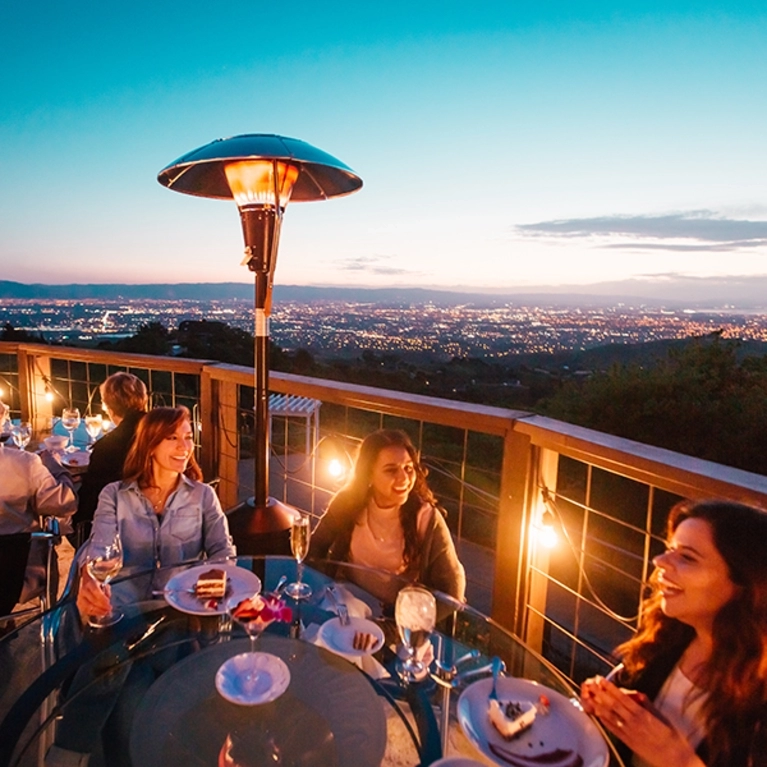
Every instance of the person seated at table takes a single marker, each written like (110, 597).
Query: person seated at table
(693, 690)
(387, 518)
(164, 514)
(31, 486)
(125, 398)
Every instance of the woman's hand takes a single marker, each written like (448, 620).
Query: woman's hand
(632, 718)
(92, 600)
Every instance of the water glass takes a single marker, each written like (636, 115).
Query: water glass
(70, 420)
(415, 613)
(22, 434)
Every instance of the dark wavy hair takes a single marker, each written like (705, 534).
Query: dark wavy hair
(350, 502)
(154, 427)
(735, 676)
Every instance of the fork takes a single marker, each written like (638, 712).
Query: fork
(343, 612)
(496, 665)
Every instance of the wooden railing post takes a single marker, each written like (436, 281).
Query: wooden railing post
(34, 382)
(545, 470)
(221, 446)
(511, 540)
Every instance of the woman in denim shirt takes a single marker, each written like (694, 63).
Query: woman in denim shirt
(165, 515)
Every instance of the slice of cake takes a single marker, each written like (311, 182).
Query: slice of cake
(211, 584)
(511, 718)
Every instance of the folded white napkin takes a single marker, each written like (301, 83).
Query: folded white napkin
(357, 607)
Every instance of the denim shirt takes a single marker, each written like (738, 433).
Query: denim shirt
(192, 526)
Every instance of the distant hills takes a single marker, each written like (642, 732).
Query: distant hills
(206, 291)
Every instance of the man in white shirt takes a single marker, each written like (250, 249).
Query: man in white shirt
(30, 486)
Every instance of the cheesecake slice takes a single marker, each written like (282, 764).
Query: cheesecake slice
(510, 718)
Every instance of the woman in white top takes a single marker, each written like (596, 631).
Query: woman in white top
(693, 689)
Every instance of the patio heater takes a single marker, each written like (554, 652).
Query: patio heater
(261, 172)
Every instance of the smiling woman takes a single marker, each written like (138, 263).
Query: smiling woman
(697, 667)
(387, 518)
(162, 511)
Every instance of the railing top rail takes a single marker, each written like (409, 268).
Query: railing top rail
(677, 473)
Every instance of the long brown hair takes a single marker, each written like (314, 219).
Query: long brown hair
(352, 499)
(735, 677)
(154, 427)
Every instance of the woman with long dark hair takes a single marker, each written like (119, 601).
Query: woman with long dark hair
(163, 512)
(387, 518)
(693, 690)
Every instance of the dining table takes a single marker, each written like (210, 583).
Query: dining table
(171, 682)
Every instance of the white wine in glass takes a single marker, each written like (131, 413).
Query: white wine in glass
(93, 424)
(104, 561)
(415, 613)
(300, 535)
(70, 420)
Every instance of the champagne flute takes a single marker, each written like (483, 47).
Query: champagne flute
(300, 535)
(93, 425)
(415, 613)
(22, 434)
(70, 420)
(103, 561)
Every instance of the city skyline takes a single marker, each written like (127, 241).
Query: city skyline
(507, 146)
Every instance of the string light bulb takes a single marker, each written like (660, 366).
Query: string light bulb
(547, 533)
(48, 393)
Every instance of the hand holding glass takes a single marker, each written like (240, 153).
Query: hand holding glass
(300, 535)
(104, 561)
(415, 613)
(70, 420)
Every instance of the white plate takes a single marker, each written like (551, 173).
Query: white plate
(340, 638)
(78, 459)
(271, 678)
(456, 761)
(238, 581)
(564, 728)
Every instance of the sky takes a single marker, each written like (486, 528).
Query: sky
(501, 144)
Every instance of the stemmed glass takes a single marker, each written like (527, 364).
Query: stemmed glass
(103, 561)
(93, 425)
(70, 420)
(22, 434)
(415, 613)
(300, 535)
(254, 613)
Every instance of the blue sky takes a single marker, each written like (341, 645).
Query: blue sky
(502, 145)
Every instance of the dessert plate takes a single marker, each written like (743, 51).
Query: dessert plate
(340, 638)
(179, 591)
(252, 678)
(77, 459)
(564, 734)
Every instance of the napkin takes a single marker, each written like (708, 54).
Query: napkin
(357, 607)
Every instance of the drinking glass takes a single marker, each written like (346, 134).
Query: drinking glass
(70, 420)
(22, 434)
(93, 424)
(103, 561)
(300, 534)
(415, 613)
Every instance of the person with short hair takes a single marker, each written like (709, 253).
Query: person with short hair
(125, 398)
(30, 486)
(693, 688)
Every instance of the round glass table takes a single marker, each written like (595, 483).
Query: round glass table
(170, 683)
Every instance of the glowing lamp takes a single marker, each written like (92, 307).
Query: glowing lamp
(547, 533)
(261, 173)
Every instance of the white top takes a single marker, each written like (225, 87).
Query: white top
(681, 702)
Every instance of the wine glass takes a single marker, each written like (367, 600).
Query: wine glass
(415, 613)
(103, 561)
(93, 425)
(22, 434)
(300, 535)
(70, 420)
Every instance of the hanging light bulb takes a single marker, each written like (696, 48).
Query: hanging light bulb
(547, 533)
(48, 393)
